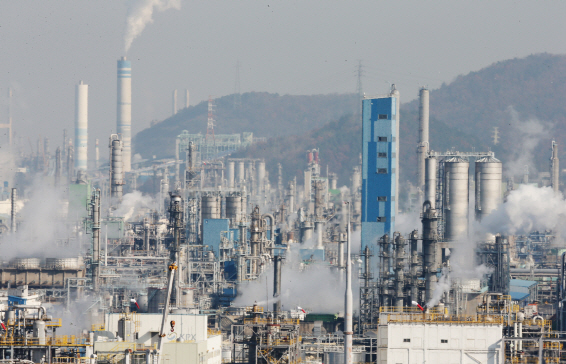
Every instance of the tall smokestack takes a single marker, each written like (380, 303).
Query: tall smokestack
(423, 146)
(124, 117)
(174, 102)
(187, 98)
(13, 210)
(96, 155)
(348, 301)
(81, 126)
(555, 167)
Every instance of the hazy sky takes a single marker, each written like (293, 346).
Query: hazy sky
(296, 47)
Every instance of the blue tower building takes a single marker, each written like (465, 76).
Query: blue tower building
(380, 165)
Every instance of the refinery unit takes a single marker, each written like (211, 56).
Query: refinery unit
(197, 271)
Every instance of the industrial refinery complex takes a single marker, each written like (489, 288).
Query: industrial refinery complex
(206, 257)
(206, 269)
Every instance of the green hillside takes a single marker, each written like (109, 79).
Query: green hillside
(522, 97)
(463, 114)
(264, 114)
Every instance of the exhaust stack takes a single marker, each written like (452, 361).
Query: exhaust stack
(81, 126)
(423, 146)
(124, 117)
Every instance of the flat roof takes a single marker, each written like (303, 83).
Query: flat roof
(522, 283)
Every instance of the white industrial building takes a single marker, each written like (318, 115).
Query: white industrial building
(438, 342)
(188, 341)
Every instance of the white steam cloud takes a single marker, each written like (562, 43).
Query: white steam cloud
(528, 208)
(527, 134)
(132, 203)
(43, 231)
(316, 288)
(141, 14)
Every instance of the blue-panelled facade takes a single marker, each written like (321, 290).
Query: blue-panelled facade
(379, 161)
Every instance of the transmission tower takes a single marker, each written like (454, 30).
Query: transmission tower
(237, 95)
(210, 122)
(495, 135)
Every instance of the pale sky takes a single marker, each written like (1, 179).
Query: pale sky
(295, 47)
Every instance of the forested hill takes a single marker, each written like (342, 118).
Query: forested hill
(524, 98)
(264, 114)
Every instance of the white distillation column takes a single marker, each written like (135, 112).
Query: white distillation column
(81, 126)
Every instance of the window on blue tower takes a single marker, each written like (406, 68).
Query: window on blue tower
(382, 170)
(382, 219)
(382, 198)
(382, 116)
(381, 139)
(381, 155)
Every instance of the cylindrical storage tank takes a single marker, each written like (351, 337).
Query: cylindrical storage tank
(231, 174)
(186, 298)
(233, 208)
(489, 174)
(25, 263)
(333, 178)
(261, 175)
(143, 302)
(62, 263)
(306, 231)
(210, 208)
(430, 181)
(240, 172)
(456, 198)
(156, 298)
(126, 329)
(334, 357)
(39, 331)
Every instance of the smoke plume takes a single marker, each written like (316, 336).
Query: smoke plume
(141, 14)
